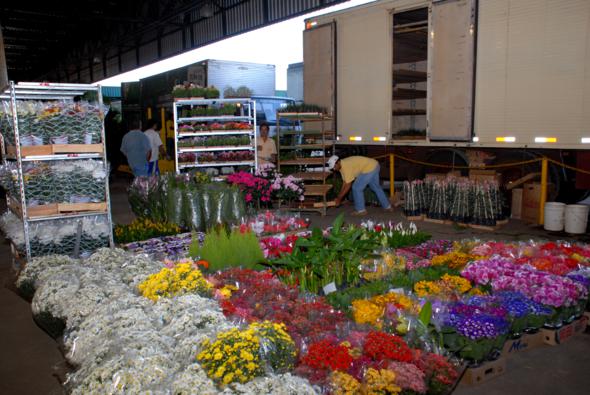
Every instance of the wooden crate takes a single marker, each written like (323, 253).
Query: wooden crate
(485, 372)
(553, 337)
(35, 150)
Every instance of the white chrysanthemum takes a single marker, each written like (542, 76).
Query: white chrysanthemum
(282, 384)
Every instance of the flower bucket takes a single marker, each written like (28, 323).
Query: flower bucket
(576, 218)
(554, 216)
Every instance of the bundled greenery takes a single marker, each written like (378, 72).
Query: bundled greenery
(189, 201)
(320, 260)
(303, 107)
(223, 249)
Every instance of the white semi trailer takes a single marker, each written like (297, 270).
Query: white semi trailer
(466, 74)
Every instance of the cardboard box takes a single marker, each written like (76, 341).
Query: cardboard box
(525, 343)
(553, 337)
(485, 372)
(516, 207)
(485, 175)
(531, 200)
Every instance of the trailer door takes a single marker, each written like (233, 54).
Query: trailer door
(320, 60)
(451, 70)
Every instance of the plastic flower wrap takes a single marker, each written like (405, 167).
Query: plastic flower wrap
(269, 222)
(240, 355)
(383, 265)
(166, 247)
(373, 311)
(262, 296)
(180, 279)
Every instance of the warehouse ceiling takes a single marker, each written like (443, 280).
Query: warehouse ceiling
(89, 40)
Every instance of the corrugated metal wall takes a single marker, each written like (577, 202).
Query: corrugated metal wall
(257, 77)
(237, 16)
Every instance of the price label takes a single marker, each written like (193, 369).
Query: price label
(328, 289)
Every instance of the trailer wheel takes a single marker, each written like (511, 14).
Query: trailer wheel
(510, 174)
(446, 156)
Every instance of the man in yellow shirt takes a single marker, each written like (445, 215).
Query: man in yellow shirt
(358, 172)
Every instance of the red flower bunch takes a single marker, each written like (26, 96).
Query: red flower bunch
(261, 296)
(381, 345)
(438, 369)
(256, 189)
(327, 355)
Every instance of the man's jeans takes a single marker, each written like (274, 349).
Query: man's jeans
(372, 180)
(139, 171)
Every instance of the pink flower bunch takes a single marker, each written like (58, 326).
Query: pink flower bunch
(273, 247)
(541, 287)
(254, 188)
(409, 377)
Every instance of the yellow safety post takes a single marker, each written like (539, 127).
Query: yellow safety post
(391, 176)
(163, 123)
(149, 113)
(543, 199)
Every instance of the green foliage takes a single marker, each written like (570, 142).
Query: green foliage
(425, 314)
(222, 249)
(400, 240)
(319, 260)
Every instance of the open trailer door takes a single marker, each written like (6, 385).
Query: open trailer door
(319, 57)
(451, 69)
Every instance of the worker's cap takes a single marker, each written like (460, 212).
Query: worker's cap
(332, 162)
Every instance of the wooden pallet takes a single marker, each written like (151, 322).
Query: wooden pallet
(53, 149)
(57, 208)
(414, 217)
(434, 221)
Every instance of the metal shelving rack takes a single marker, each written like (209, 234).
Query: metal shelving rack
(51, 92)
(307, 132)
(247, 113)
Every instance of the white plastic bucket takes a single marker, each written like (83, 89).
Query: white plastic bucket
(554, 216)
(576, 218)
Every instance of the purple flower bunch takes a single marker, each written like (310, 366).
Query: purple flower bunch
(515, 303)
(541, 287)
(477, 318)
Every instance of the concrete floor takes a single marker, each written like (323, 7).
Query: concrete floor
(31, 363)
